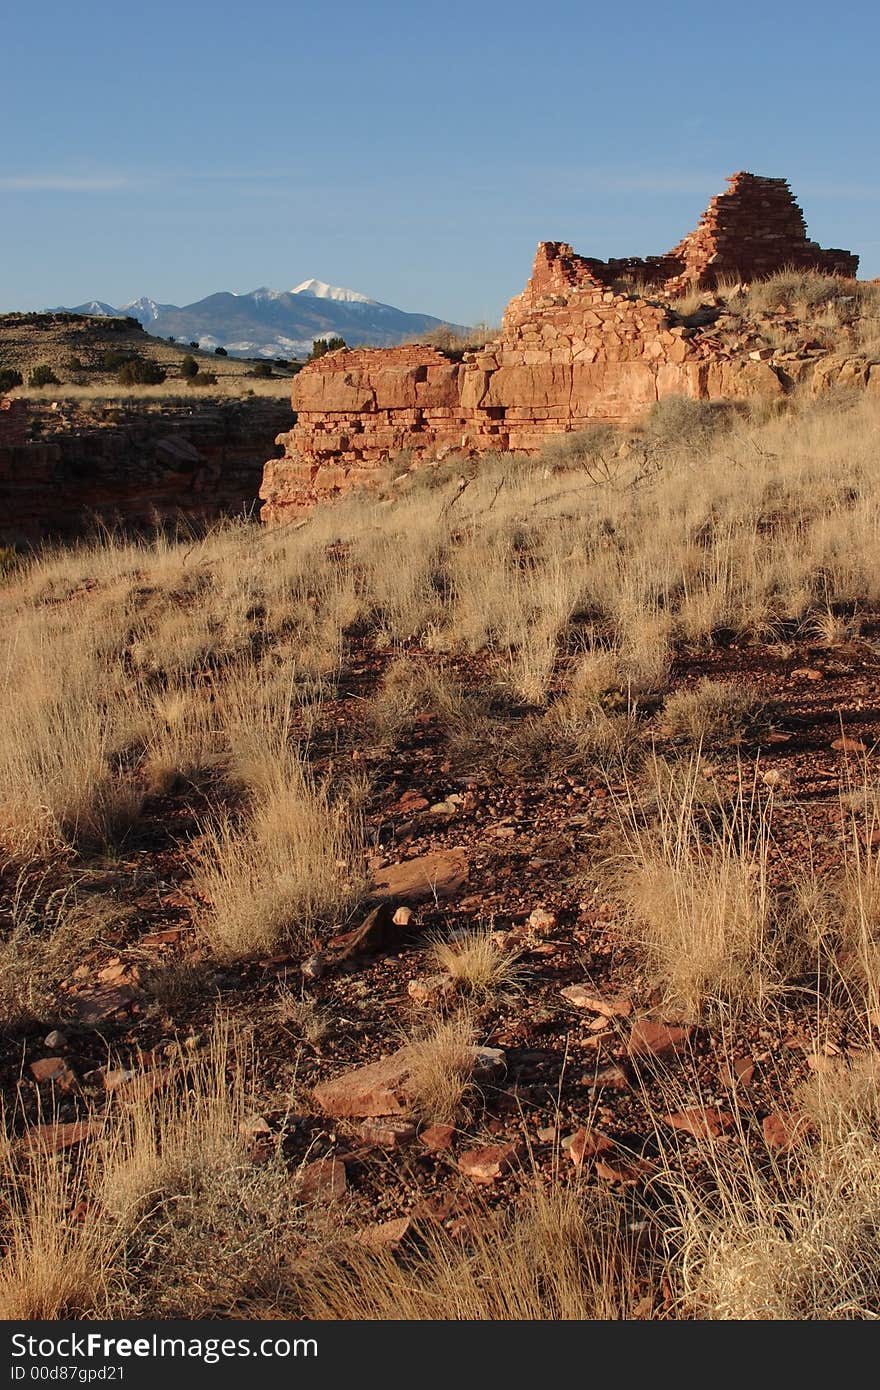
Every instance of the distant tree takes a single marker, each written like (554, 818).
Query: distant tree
(140, 371)
(220, 352)
(282, 361)
(171, 338)
(189, 367)
(321, 346)
(42, 375)
(9, 379)
(262, 369)
(194, 343)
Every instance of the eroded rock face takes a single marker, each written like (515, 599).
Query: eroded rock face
(573, 350)
(60, 469)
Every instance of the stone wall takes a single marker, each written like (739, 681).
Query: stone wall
(578, 345)
(61, 470)
(747, 233)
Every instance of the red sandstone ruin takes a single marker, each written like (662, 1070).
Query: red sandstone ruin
(575, 348)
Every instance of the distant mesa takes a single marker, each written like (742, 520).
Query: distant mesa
(274, 323)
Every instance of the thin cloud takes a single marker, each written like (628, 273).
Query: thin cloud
(60, 183)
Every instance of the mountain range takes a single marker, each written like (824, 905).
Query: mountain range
(274, 323)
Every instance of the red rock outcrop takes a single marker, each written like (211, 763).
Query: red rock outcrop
(13, 423)
(578, 346)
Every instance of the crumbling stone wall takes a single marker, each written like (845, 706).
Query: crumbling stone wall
(747, 233)
(577, 346)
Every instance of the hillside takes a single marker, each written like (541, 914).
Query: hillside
(461, 903)
(76, 347)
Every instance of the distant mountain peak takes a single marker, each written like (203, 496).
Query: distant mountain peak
(319, 290)
(274, 323)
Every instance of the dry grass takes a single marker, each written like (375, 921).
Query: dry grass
(161, 1213)
(793, 1237)
(207, 668)
(477, 965)
(709, 713)
(294, 863)
(699, 900)
(304, 1017)
(563, 1256)
(440, 1065)
(45, 932)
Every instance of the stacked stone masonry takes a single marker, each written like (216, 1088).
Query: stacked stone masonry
(581, 344)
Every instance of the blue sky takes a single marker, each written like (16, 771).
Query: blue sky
(416, 153)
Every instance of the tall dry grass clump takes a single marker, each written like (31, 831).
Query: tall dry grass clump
(161, 1211)
(440, 1064)
(477, 965)
(783, 1237)
(65, 717)
(697, 892)
(291, 862)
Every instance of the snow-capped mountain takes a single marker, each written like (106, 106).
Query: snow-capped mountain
(274, 323)
(319, 290)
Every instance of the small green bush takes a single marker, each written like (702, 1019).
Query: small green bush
(112, 359)
(189, 367)
(262, 369)
(140, 371)
(9, 379)
(42, 375)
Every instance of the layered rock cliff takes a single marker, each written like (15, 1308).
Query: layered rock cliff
(61, 469)
(586, 341)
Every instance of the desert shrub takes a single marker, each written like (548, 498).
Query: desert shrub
(676, 422)
(203, 379)
(43, 375)
(581, 449)
(9, 379)
(262, 369)
(802, 290)
(454, 343)
(710, 712)
(189, 367)
(139, 371)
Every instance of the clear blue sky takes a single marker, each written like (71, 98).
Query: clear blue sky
(414, 152)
